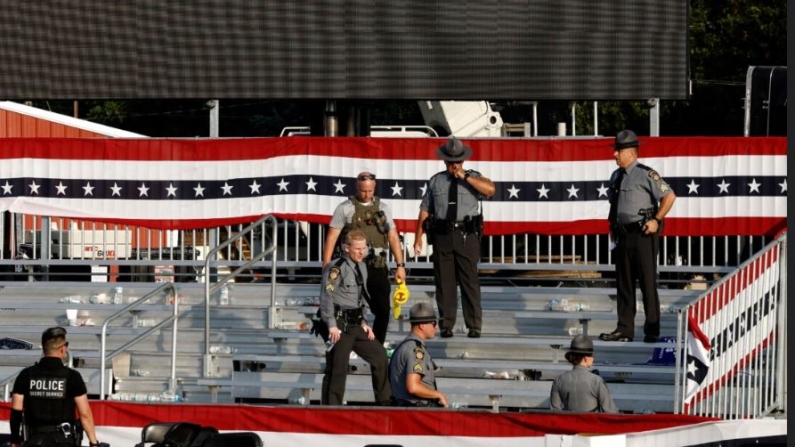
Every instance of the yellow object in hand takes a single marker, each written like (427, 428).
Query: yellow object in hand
(401, 296)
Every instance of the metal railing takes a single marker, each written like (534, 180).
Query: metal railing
(743, 374)
(208, 290)
(131, 308)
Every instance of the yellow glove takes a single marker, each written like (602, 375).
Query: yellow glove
(401, 296)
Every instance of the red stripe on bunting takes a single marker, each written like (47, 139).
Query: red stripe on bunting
(377, 421)
(742, 279)
(498, 150)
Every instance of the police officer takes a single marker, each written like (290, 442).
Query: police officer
(450, 214)
(47, 394)
(342, 302)
(411, 367)
(580, 390)
(639, 201)
(369, 214)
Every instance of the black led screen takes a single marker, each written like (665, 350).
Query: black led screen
(344, 49)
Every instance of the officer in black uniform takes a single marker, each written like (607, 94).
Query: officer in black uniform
(47, 395)
(450, 214)
(342, 302)
(366, 212)
(639, 201)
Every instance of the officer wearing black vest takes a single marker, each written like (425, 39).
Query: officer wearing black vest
(367, 213)
(50, 396)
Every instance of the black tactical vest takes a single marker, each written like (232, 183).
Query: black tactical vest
(48, 402)
(369, 219)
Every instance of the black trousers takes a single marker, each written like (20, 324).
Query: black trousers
(455, 260)
(379, 288)
(336, 372)
(636, 263)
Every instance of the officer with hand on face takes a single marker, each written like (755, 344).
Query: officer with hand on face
(343, 298)
(47, 395)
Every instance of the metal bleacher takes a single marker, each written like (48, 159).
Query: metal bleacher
(510, 367)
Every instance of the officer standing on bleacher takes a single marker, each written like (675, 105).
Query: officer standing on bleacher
(451, 216)
(343, 299)
(47, 395)
(639, 201)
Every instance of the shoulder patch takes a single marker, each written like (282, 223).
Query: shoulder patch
(419, 354)
(654, 176)
(330, 287)
(417, 368)
(333, 274)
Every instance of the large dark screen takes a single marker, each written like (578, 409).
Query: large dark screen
(344, 49)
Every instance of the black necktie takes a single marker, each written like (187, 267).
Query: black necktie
(362, 286)
(452, 201)
(613, 216)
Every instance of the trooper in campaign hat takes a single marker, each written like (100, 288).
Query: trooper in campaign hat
(411, 369)
(422, 313)
(454, 150)
(626, 138)
(451, 215)
(580, 390)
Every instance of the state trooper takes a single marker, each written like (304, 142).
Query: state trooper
(451, 215)
(639, 201)
(343, 298)
(580, 390)
(366, 212)
(411, 369)
(46, 395)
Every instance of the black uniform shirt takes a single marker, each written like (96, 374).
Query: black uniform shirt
(49, 388)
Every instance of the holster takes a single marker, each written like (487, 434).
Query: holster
(428, 226)
(376, 260)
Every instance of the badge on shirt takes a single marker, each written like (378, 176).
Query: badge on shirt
(419, 354)
(333, 274)
(417, 368)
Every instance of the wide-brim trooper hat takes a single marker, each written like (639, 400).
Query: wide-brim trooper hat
(625, 139)
(454, 150)
(580, 344)
(422, 313)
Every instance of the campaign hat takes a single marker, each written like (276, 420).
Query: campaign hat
(454, 150)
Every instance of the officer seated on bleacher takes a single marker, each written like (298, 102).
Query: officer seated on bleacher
(580, 390)
(47, 395)
(411, 367)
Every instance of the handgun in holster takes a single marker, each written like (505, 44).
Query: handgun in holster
(429, 227)
(648, 214)
(474, 224)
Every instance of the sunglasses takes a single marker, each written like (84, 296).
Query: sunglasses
(434, 323)
(450, 163)
(64, 345)
(364, 177)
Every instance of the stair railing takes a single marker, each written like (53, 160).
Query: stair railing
(104, 358)
(209, 290)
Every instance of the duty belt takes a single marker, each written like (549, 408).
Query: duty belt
(623, 230)
(444, 226)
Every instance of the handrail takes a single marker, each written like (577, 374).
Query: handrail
(255, 258)
(122, 311)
